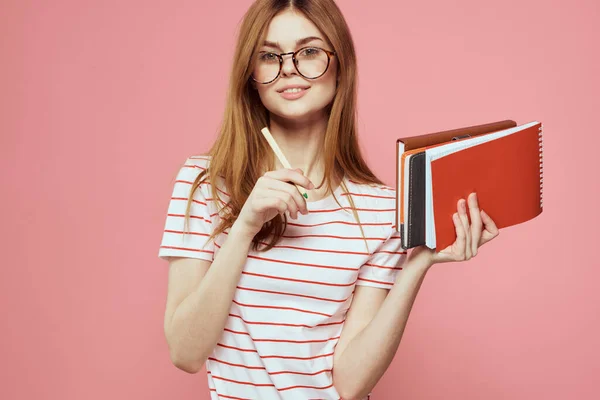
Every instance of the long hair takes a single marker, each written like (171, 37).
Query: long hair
(240, 155)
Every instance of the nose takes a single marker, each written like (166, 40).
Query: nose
(288, 67)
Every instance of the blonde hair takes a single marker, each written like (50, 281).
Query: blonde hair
(240, 155)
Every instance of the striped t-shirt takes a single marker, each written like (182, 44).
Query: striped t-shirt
(290, 303)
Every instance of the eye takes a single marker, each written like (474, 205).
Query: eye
(310, 52)
(268, 57)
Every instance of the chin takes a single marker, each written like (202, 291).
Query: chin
(297, 110)
(300, 113)
(301, 109)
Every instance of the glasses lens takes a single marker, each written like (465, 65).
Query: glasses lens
(267, 67)
(312, 62)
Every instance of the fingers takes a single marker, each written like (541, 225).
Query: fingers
(475, 223)
(290, 175)
(464, 219)
(291, 205)
(290, 189)
(469, 234)
(461, 235)
(286, 192)
(273, 202)
(491, 230)
(275, 193)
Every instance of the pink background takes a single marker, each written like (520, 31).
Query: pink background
(103, 101)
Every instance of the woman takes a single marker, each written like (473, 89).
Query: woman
(314, 307)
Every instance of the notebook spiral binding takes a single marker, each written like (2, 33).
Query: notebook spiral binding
(541, 151)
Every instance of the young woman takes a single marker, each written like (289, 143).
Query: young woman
(283, 297)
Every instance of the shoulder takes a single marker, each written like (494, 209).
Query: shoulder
(197, 163)
(193, 166)
(378, 199)
(373, 190)
(189, 171)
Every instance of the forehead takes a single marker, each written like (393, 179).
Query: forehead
(289, 26)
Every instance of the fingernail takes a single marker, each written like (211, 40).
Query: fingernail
(312, 185)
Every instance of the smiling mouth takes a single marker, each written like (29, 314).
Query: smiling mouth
(294, 90)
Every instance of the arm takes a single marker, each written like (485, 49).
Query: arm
(200, 292)
(369, 342)
(199, 299)
(369, 339)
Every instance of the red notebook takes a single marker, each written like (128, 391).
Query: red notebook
(407, 146)
(503, 167)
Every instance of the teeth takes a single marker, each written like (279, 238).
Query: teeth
(293, 90)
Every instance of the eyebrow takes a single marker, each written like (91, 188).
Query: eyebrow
(299, 42)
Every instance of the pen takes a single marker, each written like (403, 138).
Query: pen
(280, 156)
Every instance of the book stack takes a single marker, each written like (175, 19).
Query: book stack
(501, 162)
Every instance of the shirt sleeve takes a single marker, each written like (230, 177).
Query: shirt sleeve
(194, 243)
(385, 263)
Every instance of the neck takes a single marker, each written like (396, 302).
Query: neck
(301, 143)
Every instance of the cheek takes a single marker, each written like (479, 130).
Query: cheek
(328, 84)
(325, 90)
(269, 97)
(325, 94)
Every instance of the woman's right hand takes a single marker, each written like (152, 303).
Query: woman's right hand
(273, 194)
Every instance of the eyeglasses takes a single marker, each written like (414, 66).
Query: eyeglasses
(310, 62)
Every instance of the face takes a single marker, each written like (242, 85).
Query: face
(285, 34)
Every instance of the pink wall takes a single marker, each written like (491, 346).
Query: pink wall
(102, 101)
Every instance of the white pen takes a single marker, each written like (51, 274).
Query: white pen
(267, 134)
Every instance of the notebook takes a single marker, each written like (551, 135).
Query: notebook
(407, 146)
(499, 161)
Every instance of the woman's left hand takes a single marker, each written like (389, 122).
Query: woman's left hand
(469, 236)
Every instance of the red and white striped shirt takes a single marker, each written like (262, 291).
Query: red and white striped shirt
(290, 303)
